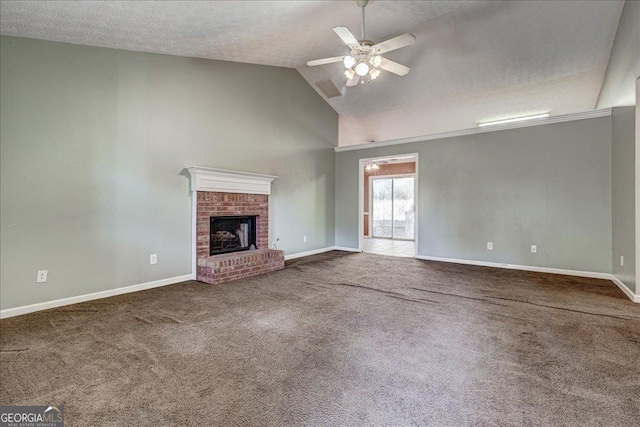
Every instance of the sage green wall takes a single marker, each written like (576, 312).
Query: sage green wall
(548, 185)
(93, 142)
(623, 193)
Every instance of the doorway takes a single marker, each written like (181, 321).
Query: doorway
(388, 205)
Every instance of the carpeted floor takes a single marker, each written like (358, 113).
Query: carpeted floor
(338, 339)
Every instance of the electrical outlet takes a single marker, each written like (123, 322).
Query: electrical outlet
(153, 259)
(621, 261)
(490, 246)
(534, 249)
(42, 276)
(304, 239)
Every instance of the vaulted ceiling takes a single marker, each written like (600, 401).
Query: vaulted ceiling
(473, 61)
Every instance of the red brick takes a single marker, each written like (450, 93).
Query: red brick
(239, 264)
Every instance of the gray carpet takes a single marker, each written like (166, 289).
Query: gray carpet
(338, 339)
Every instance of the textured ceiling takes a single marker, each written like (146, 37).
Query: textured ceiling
(473, 61)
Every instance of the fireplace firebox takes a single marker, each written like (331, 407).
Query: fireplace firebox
(232, 234)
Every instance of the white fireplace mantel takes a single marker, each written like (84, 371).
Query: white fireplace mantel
(225, 181)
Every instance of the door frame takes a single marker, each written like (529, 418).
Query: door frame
(370, 202)
(361, 165)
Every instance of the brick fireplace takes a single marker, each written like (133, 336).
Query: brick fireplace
(236, 204)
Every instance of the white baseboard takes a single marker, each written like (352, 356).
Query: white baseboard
(519, 267)
(345, 249)
(625, 289)
(308, 253)
(578, 273)
(319, 251)
(17, 311)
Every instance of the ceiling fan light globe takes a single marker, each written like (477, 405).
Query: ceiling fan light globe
(374, 73)
(376, 60)
(349, 61)
(349, 73)
(362, 69)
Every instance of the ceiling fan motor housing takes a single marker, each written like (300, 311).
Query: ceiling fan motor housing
(365, 58)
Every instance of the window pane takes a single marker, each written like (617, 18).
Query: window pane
(403, 215)
(382, 207)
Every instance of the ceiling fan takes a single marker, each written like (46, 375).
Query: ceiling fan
(365, 57)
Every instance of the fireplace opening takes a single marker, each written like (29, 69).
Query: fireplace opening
(232, 234)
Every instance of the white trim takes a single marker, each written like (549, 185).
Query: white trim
(17, 311)
(625, 289)
(309, 253)
(225, 181)
(416, 198)
(361, 165)
(320, 251)
(594, 275)
(578, 273)
(553, 119)
(194, 233)
(637, 189)
(345, 249)
(514, 120)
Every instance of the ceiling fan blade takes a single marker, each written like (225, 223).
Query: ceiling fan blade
(346, 36)
(354, 81)
(325, 61)
(394, 67)
(396, 43)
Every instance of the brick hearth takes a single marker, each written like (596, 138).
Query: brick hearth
(223, 268)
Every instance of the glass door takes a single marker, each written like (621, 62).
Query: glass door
(392, 207)
(382, 208)
(403, 208)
